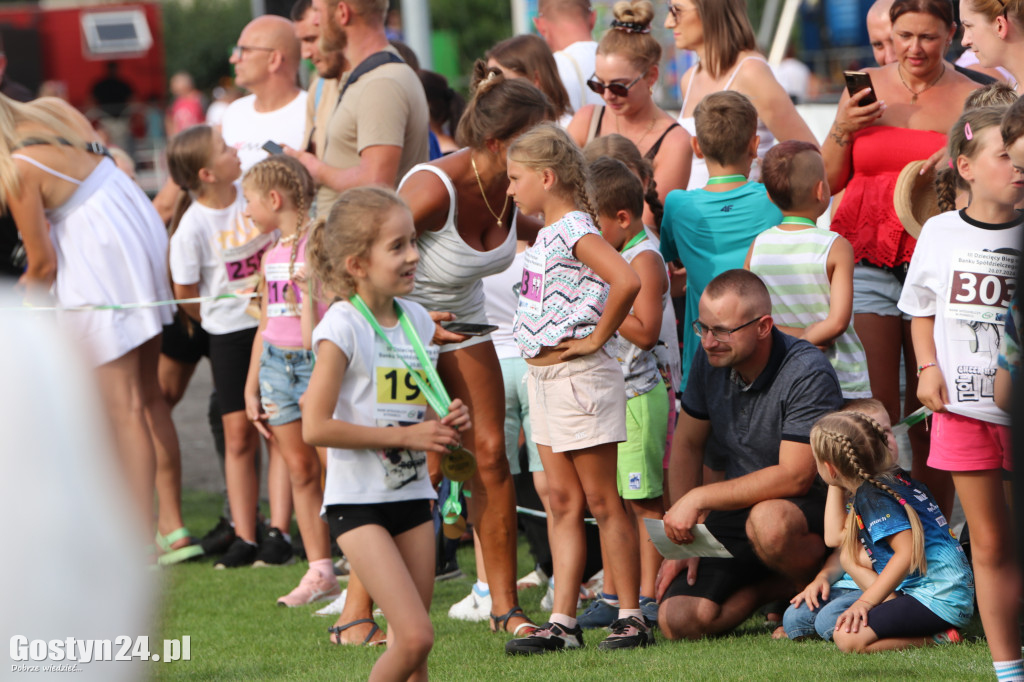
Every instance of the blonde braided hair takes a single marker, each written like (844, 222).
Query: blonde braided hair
(548, 146)
(291, 179)
(856, 445)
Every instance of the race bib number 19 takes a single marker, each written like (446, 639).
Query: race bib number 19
(398, 396)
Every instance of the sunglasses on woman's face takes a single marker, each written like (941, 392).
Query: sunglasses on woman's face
(617, 89)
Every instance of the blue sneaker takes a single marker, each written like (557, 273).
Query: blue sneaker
(649, 607)
(600, 614)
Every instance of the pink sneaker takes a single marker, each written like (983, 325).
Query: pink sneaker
(312, 588)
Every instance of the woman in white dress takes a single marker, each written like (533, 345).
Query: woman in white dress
(92, 239)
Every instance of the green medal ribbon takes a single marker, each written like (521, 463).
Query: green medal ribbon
(637, 238)
(797, 220)
(433, 389)
(723, 179)
(458, 464)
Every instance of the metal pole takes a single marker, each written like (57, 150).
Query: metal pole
(259, 8)
(416, 27)
(520, 23)
(783, 32)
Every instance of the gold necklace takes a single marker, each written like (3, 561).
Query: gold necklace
(650, 127)
(913, 100)
(480, 184)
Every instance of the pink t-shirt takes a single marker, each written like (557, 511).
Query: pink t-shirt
(284, 295)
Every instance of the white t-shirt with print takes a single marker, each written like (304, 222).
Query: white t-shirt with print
(964, 272)
(221, 250)
(246, 129)
(575, 65)
(376, 391)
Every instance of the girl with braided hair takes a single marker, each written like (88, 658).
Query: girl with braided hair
(576, 291)
(924, 588)
(278, 192)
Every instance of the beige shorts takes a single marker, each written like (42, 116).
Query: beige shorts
(578, 404)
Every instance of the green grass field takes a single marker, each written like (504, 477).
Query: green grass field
(238, 632)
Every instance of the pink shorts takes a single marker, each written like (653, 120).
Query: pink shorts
(577, 404)
(962, 443)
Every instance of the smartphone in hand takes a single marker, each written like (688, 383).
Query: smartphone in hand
(272, 147)
(857, 81)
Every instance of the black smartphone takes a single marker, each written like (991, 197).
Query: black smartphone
(272, 147)
(469, 329)
(857, 81)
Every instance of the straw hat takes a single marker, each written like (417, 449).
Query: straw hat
(914, 197)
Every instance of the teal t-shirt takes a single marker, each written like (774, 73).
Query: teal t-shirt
(709, 233)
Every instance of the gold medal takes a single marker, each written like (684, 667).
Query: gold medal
(458, 464)
(455, 529)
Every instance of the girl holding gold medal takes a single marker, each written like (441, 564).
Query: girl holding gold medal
(368, 402)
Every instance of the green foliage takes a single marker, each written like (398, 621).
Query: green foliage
(199, 34)
(478, 24)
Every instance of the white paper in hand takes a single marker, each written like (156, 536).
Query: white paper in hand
(704, 543)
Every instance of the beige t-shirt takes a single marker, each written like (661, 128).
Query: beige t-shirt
(386, 106)
(316, 121)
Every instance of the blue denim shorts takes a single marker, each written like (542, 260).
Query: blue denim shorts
(876, 291)
(284, 377)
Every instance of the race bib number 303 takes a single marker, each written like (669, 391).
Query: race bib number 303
(981, 285)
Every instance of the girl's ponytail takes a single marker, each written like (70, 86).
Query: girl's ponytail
(946, 188)
(187, 153)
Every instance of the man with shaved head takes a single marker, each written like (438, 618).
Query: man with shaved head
(880, 32)
(750, 401)
(266, 60)
(568, 28)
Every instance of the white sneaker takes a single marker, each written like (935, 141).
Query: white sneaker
(335, 607)
(547, 602)
(534, 578)
(473, 608)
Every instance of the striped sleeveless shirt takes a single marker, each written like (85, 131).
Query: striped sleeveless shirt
(793, 265)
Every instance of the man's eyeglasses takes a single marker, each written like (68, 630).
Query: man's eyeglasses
(238, 51)
(700, 329)
(617, 89)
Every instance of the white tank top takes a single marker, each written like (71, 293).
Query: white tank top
(699, 168)
(449, 274)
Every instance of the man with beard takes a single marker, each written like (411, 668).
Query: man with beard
(379, 129)
(326, 86)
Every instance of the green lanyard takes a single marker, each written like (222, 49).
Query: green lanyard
(797, 220)
(438, 399)
(432, 388)
(722, 179)
(637, 238)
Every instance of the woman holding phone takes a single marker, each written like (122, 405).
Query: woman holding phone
(918, 98)
(467, 229)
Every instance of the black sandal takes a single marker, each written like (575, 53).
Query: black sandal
(500, 623)
(338, 629)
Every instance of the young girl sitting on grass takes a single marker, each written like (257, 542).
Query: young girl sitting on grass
(924, 589)
(367, 403)
(576, 292)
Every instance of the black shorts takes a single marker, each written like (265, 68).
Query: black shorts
(229, 360)
(187, 345)
(904, 616)
(719, 579)
(394, 517)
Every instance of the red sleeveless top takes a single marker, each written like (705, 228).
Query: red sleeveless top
(866, 216)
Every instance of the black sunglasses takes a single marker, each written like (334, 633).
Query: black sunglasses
(617, 89)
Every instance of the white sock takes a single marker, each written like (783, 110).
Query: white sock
(1009, 671)
(481, 589)
(568, 621)
(626, 613)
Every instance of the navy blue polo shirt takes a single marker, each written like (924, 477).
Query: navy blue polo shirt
(749, 421)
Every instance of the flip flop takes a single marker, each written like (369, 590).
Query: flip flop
(169, 555)
(338, 629)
